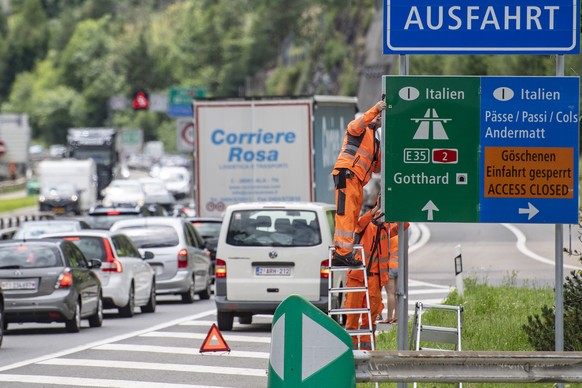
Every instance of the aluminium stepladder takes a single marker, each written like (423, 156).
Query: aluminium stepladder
(339, 310)
(423, 333)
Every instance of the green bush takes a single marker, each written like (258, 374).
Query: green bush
(540, 328)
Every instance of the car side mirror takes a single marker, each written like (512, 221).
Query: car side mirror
(148, 255)
(95, 263)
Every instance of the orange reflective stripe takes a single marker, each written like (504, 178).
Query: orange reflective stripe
(344, 244)
(344, 233)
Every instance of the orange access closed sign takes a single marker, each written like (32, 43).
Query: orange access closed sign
(528, 172)
(214, 342)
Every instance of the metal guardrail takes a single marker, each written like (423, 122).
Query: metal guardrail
(12, 185)
(9, 225)
(468, 367)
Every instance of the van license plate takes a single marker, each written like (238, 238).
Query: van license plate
(273, 271)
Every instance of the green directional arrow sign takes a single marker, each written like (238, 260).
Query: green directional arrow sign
(308, 348)
(431, 153)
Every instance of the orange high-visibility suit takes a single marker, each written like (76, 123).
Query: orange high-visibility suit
(358, 158)
(392, 286)
(374, 238)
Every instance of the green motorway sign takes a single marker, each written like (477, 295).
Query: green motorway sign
(431, 149)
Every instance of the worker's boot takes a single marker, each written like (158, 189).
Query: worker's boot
(347, 260)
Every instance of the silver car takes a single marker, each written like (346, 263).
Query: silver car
(128, 280)
(181, 262)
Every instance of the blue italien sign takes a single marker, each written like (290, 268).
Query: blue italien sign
(482, 27)
(529, 149)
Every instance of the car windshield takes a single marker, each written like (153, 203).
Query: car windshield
(64, 189)
(207, 229)
(152, 236)
(91, 246)
(274, 227)
(29, 256)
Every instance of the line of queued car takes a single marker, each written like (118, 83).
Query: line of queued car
(69, 269)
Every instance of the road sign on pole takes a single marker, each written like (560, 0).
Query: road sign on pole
(180, 101)
(485, 27)
(481, 149)
(308, 348)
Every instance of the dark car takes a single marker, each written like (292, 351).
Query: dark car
(102, 217)
(60, 198)
(49, 280)
(208, 228)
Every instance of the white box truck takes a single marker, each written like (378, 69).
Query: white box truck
(82, 173)
(267, 149)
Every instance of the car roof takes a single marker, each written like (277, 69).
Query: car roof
(281, 205)
(145, 221)
(34, 241)
(81, 233)
(105, 210)
(204, 219)
(49, 222)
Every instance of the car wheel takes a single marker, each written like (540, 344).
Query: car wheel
(245, 319)
(189, 296)
(96, 320)
(127, 310)
(5, 325)
(204, 295)
(151, 306)
(225, 320)
(73, 325)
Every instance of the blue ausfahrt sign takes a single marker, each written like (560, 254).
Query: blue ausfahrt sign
(482, 27)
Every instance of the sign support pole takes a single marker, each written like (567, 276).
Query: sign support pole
(403, 69)
(559, 282)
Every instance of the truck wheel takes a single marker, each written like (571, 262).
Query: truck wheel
(225, 321)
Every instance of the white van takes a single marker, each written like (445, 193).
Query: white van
(269, 250)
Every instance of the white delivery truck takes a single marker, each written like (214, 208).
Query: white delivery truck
(267, 149)
(81, 173)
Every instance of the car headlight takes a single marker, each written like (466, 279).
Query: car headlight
(41, 198)
(74, 198)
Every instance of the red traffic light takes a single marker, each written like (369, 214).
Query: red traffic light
(140, 100)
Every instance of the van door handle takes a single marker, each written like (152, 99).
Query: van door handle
(272, 290)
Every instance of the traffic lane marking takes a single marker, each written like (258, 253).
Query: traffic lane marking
(180, 350)
(151, 366)
(108, 341)
(227, 338)
(87, 382)
(521, 246)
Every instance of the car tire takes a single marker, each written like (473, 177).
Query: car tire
(245, 319)
(225, 320)
(5, 325)
(152, 303)
(73, 325)
(128, 310)
(205, 295)
(96, 320)
(189, 296)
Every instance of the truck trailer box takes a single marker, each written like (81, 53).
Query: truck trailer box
(267, 149)
(82, 173)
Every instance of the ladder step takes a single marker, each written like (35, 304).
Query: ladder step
(433, 349)
(348, 289)
(348, 311)
(439, 334)
(359, 332)
(345, 269)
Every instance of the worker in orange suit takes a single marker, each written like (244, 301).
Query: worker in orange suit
(392, 285)
(373, 234)
(359, 157)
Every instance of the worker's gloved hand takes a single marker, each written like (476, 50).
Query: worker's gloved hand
(376, 208)
(381, 105)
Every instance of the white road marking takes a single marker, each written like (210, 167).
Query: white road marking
(85, 382)
(220, 370)
(227, 338)
(179, 350)
(520, 244)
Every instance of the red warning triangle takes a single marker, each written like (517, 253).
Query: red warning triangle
(214, 341)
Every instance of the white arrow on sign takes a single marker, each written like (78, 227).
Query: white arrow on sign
(430, 207)
(531, 211)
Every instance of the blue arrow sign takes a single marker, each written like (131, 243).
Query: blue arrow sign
(529, 149)
(485, 27)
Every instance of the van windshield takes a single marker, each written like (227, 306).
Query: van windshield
(274, 227)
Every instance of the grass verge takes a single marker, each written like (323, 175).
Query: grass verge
(10, 204)
(492, 321)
